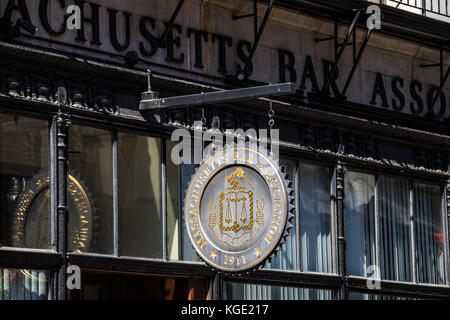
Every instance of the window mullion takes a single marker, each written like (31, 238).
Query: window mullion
(216, 287)
(340, 223)
(296, 184)
(412, 230)
(377, 230)
(115, 192)
(53, 202)
(164, 199)
(62, 122)
(53, 187)
(446, 217)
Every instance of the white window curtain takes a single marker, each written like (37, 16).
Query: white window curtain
(314, 215)
(429, 234)
(22, 284)
(395, 237)
(396, 219)
(315, 218)
(240, 291)
(360, 222)
(286, 259)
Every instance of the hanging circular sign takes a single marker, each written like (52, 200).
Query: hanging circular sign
(238, 209)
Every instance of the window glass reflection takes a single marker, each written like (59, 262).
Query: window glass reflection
(140, 221)
(429, 234)
(178, 179)
(174, 204)
(393, 204)
(371, 296)
(242, 291)
(315, 218)
(90, 190)
(24, 284)
(359, 222)
(24, 182)
(286, 258)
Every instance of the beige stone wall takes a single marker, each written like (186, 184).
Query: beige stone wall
(286, 30)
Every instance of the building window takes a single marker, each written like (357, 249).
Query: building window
(178, 179)
(360, 222)
(24, 284)
(90, 163)
(242, 291)
(429, 233)
(287, 258)
(395, 237)
(24, 183)
(139, 176)
(406, 212)
(97, 285)
(174, 206)
(370, 296)
(315, 218)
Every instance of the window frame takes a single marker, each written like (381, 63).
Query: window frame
(49, 260)
(30, 258)
(414, 288)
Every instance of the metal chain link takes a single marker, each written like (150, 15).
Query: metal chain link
(203, 120)
(271, 114)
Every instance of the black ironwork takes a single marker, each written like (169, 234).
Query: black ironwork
(339, 49)
(216, 288)
(9, 29)
(115, 186)
(257, 34)
(218, 97)
(442, 77)
(164, 199)
(169, 25)
(447, 231)
(341, 264)
(62, 125)
(440, 8)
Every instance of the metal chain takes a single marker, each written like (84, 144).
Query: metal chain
(203, 120)
(271, 114)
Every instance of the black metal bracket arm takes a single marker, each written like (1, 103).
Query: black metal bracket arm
(339, 49)
(442, 77)
(150, 100)
(257, 32)
(162, 39)
(8, 29)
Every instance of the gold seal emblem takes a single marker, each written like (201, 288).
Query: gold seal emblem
(238, 209)
(32, 215)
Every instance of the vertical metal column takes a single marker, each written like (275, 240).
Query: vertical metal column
(412, 236)
(216, 290)
(115, 173)
(62, 125)
(165, 254)
(53, 205)
(342, 272)
(447, 245)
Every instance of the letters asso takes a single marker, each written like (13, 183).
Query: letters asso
(396, 94)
